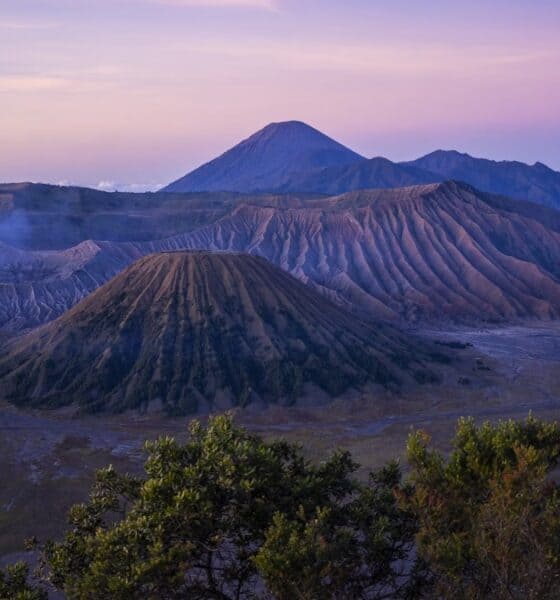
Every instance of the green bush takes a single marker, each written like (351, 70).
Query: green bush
(230, 516)
(14, 584)
(210, 517)
(489, 514)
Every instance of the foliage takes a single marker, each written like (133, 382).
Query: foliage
(229, 516)
(489, 515)
(213, 512)
(360, 549)
(14, 584)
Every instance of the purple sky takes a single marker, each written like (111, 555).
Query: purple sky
(137, 92)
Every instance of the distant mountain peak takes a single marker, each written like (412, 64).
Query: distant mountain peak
(292, 156)
(542, 167)
(441, 153)
(537, 183)
(292, 132)
(279, 126)
(267, 159)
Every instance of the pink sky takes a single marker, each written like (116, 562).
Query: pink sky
(138, 92)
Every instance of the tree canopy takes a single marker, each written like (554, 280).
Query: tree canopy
(228, 515)
(489, 514)
(14, 584)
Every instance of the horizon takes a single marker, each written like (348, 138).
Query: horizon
(140, 188)
(131, 97)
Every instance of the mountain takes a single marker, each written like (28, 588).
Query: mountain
(189, 331)
(294, 157)
(440, 252)
(537, 183)
(373, 173)
(51, 217)
(267, 160)
(38, 286)
(434, 253)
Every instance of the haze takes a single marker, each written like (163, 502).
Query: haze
(134, 93)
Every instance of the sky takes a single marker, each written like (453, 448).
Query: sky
(132, 94)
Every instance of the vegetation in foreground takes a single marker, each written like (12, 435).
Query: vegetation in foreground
(229, 516)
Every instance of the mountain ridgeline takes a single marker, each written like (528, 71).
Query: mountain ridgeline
(187, 332)
(281, 268)
(294, 157)
(537, 183)
(267, 160)
(434, 253)
(30, 213)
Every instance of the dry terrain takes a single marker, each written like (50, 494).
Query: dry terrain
(47, 458)
(433, 253)
(192, 331)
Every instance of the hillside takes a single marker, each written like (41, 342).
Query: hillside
(439, 252)
(267, 160)
(192, 331)
(51, 217)
(537, 183)
(398, 254)
(433, 253)
(374, 173)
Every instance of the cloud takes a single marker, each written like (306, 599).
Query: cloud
(31, 83)
(84, 79)
(259, 4)
(519, 59)
(23, 25)
(374, 58)
(112, 186)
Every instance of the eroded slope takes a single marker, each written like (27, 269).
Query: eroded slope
(425, 253)
(190, 331)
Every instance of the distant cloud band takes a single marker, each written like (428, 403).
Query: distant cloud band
(261, 4)
(31, 83)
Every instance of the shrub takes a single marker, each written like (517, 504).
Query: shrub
(489, 514)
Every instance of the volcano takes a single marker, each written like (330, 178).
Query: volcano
(268, 160)
(187, 332)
